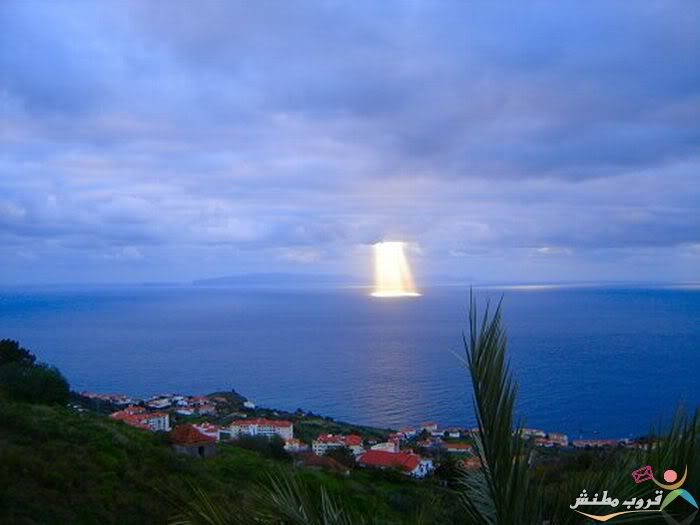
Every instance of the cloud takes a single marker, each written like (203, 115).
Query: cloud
(252, 135)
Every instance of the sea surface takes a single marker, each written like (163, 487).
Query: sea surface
(596, 361)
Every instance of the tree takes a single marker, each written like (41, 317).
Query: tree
(34, 384)
(11, 352)
(22, 379)
(342, 455)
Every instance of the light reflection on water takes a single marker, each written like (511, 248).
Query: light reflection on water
(610, 359)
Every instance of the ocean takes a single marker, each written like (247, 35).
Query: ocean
(592, 361)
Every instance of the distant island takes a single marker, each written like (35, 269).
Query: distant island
(281, 280)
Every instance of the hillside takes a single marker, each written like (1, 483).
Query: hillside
(62, 466)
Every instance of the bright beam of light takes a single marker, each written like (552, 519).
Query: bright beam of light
(392, 274)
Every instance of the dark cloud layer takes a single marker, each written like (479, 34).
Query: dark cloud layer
(177, 140)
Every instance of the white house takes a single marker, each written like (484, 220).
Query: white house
(262, 427)
(410, 464)
(325, 442)
(158, 421)
(389, 446)
(208, 429)
(295, 445)
(138, 417)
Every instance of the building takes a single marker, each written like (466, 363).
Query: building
(159, 403)
(186, 439)
(208, 429)
(408, 433)
(429, 427)
(594, 443)
(389, 446)
(458, 448)
(560, 440)
(408, 463)
(206, 410)
(295, 445)
(137, 417)
(532, 432)
(114, 399)
(262, 427)
(325, 442)
(454, 433)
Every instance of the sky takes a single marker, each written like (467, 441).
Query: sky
(503, 141)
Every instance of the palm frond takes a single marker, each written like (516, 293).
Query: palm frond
(501, 492)
(197, 508)
(287, 500)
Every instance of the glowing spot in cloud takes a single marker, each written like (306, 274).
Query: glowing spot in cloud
(392, 274)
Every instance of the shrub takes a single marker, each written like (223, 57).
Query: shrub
(34, 384)
(11, 352)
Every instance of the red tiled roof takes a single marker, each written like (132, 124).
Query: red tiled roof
(134, 420)
(353, 440)
(189, 435)
(152, 415)
(329, 438)
(457, 446)
(381, 458)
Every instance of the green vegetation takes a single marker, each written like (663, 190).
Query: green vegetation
(62, 466)
(22, 379)
(508, 491)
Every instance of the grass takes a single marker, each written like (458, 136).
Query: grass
(61, 466)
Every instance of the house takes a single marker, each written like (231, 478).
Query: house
(561, 440)
(208, 429)
(249, 405)
(186, 439)
(454, 433)
(429, 427)
(198, 400)
(389, 446)
(206, 409)
(325, 442)
(184, 411)
(532, 432)
(543, 442)
(458, 448)
(159, 403)
(158, 421)
(114, 399)
(408, 463)
(137, 417)
(408, 433)
(262, 427)
(594, 443)
(295, 445)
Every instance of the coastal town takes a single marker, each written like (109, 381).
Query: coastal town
(196, 425)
